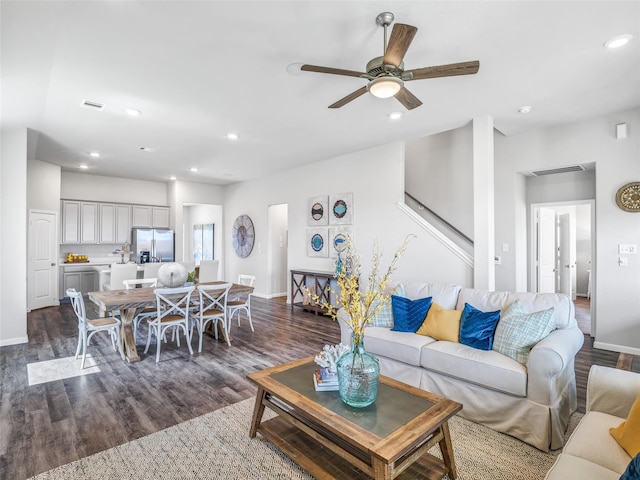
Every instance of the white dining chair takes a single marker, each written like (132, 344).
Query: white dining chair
(119, 273)
(146, 311)
(209, 271)
(172, 312)
(88, 328)
(242, 301)
(212, 308)
(150, 269)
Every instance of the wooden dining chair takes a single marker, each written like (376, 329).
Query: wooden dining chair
(88, 328)
(147, 311)
(212, 307)
(242, 301)
(172, 312)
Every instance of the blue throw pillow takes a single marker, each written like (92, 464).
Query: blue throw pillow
(477, 328)
(408, 315)
(633, 469)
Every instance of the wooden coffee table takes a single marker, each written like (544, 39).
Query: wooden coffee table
(388, 439)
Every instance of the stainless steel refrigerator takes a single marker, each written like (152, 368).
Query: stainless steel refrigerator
(153, 244)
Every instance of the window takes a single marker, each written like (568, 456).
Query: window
(202, 242)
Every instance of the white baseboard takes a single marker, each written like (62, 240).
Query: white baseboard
(268, 297)
(616, 348)
(13, 341)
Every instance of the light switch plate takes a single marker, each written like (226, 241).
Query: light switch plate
(627, 249)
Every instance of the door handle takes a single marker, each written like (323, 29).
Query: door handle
(53, 264)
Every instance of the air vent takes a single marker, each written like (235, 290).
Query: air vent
(93, 105)
(551, 171)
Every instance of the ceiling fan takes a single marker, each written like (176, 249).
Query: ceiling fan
(387, 75)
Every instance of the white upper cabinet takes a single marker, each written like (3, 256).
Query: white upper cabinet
(141, 216)
(107, 223)
(88, 222)
(123, 224)
(160, 217)
(70, 222)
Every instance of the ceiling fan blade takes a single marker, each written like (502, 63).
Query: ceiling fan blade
(451, 70)
(334, 71)
(408, 99)
(350, 97)
(399, 41)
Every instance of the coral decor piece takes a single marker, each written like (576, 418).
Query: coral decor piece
(328, 357)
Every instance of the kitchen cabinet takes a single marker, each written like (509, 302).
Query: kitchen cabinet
(146, 216)
(84, 281)
(79, 222)
(115, 223)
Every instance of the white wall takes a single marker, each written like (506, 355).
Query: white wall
(616, 289)
(440, 167)
(376, 179)
(43, 186)
(13, 237)
(97, 188)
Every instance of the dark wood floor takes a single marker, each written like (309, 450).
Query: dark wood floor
(50, 424)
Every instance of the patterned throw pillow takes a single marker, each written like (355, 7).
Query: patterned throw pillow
(519, 331)
(384, 318)
(441, 324)
(477, 327)
(408, 315)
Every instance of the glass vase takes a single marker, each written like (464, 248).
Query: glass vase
(358, 375)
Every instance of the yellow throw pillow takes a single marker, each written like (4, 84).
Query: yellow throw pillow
(441, 324)
(627, 434)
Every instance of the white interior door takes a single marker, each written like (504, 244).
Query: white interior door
(566, 255)
(546, 253)
(43, 259)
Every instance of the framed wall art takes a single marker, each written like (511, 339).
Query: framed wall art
(337, 238)
(317, 211)
(317, 242)
(341, 209)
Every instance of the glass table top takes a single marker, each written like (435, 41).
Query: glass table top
(392, 409)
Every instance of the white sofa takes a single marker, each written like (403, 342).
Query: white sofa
(532, 403)
(591, 452)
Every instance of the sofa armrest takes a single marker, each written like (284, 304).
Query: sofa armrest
(548, 363)
(612, 391)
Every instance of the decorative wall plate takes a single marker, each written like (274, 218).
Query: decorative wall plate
(628, 197)
(243, 236)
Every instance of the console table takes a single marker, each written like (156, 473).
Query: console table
(318, 283)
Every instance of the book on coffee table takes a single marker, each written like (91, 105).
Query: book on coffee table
(324, 381)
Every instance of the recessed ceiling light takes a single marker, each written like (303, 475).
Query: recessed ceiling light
(395, 115)
(84, 167)
(172, 177)
(94, 154)
(147, 149)
(133, 112)
(232, 136)
(194, 169)
(619, 41)
(227, 174)
(525, 109)
(294, 69)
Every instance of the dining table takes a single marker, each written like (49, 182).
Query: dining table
(131, 302)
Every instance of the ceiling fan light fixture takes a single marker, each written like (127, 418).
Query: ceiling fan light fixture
(385, 87)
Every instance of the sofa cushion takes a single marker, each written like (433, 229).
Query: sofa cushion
(408, 314)
(591, 441)
(477, 327)
(384, 317)
(568, 467)
(401, 346)
(482, 367)
(627, 434)
(445, 294)
(441, 324)
(518, 331)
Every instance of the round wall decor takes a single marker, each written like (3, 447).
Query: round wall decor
(243, 236)
(628, 197)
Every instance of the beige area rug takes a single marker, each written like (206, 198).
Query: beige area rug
(217, 445)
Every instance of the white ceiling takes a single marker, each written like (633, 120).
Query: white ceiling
(200, 69)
